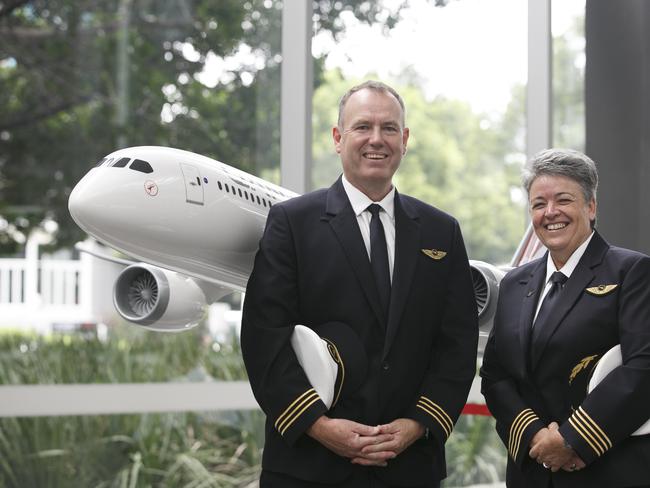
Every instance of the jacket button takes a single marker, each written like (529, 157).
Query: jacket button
(385, 366)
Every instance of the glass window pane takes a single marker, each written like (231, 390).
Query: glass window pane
(462, 70)
(568, 26)
(78, 81)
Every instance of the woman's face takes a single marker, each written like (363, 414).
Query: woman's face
(560, 215)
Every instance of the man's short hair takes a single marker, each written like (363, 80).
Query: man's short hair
(563, 162)
(371, 85)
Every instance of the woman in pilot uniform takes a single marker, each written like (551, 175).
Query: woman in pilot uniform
(556, 317)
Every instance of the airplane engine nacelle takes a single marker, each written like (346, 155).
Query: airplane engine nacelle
(486, 278)
(158, 299)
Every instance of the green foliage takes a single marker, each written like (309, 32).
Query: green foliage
(165, 450)
(193, 449)
(129, 355)
(475, 453)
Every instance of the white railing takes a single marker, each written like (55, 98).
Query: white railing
(123, 398)
(60, 282)
(12, 274)
(57, 283)
(40, 293)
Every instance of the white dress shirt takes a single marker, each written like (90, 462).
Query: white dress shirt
(567, 269)
(360, 202)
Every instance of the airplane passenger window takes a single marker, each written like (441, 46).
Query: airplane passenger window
(246, 194)
(219, 185)
(227, 189)
(239, 190)
(121, 163)
(142, 166)
(258, 199)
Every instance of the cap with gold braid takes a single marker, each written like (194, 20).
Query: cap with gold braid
(333, 359)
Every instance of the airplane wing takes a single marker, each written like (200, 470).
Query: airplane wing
(101, 254)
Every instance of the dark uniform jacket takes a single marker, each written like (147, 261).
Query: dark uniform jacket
(312, 268)
(606, 301)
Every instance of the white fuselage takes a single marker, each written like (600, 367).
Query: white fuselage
(177, 210)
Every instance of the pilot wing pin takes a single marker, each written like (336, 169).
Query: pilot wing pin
(434, 253)
(600, 290)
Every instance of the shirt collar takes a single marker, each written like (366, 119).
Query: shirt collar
(571, 263)
(360, 200)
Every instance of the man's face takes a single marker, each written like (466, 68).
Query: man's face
(371, 141)
(561, 217)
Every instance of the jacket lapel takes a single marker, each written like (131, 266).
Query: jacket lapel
(344, 223)
(573, 290)
(407, 240)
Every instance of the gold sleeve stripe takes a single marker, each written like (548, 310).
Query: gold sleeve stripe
(295, 405)
(514, 425)
(446, 418)
(529, 420)
(595, 426)
(515, 439)
(590, 431)
(517, 428)
(295, 417)
(436, 417)
(585, 436)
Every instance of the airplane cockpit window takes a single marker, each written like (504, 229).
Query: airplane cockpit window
(121, 163)
(101, 161)
(142, 166)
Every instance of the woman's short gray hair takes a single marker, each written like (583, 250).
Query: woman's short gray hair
(563, 162)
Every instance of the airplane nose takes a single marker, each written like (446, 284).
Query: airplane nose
(75, 204)
(81, 201)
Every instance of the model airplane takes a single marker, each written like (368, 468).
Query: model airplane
(193, 222)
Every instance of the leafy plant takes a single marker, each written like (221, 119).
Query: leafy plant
(215, 449)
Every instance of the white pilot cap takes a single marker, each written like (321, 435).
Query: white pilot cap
(315, 359)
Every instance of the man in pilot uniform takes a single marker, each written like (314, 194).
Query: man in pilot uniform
(397, 274)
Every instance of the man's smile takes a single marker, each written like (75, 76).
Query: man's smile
(374, 155)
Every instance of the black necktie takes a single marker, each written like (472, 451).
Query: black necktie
(379, 257)
(550, 302)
